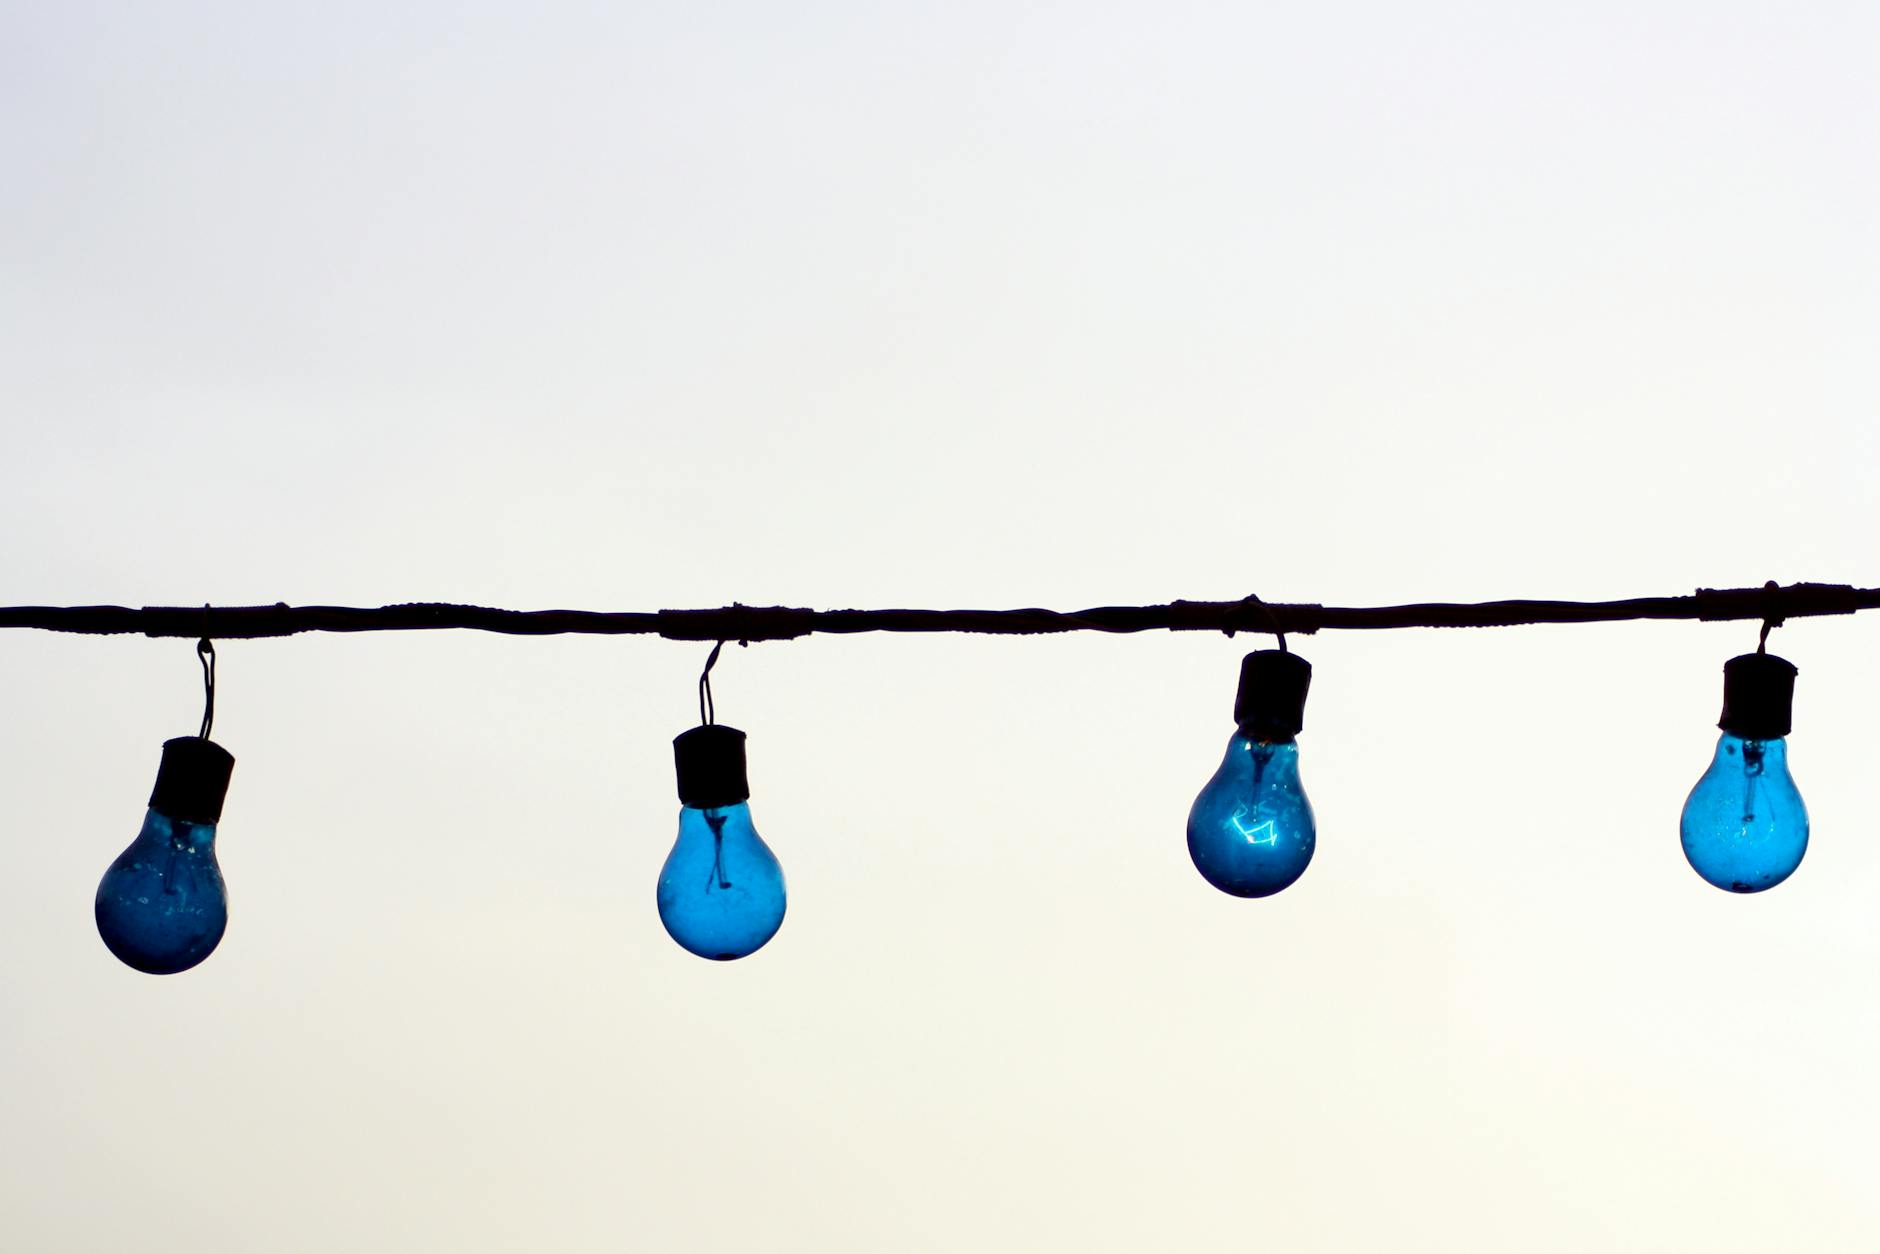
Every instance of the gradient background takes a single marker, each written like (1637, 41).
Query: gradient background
(843, 304)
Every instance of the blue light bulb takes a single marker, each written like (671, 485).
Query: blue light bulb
(721, 892)
(1251, 831)
(1744, 826)
(161, 907)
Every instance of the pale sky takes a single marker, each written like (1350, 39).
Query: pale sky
(993, 304)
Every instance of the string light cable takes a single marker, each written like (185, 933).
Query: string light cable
(161, 907)
(749, 623)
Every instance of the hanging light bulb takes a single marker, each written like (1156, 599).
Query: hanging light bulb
(161, 907)
(721, 891)
(1251, 831)
(1744, 826)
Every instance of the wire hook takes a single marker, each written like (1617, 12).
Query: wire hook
(707, 708)
(1272, 619)
(205, 653)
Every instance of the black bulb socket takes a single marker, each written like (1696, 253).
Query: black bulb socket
(1758, 696)
(192, 780)
(1271, 704)
(710, 760)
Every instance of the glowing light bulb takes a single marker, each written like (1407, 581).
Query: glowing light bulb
(721, 892)
(1744, 826)
(161, 907)
(1251, 831)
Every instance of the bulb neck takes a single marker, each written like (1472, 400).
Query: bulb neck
(1758, 696)
(711, 769)
(192, 780)
(1271, 704)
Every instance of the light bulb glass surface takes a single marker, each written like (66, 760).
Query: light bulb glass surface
(721, 891)
(161, 907)
(1250, 831)
(1744, 825)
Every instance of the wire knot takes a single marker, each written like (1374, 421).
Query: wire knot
(1266, 611)
(1771, 619)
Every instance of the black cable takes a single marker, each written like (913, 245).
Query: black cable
(745, 623)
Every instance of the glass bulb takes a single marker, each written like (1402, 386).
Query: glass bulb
(1250, 831)
(161, 907)
(1744, 825)
(721, 891)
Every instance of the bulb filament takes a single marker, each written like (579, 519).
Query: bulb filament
(177, 848)
(1259, 834)
(1752, 767)
(716, 822)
